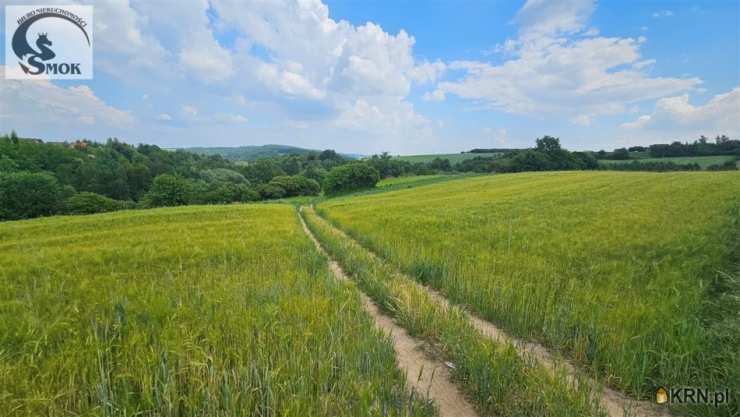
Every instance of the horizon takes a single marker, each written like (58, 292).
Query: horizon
(409, 80)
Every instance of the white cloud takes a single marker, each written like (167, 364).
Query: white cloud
(720, 115)
(354, 71)
(542, 17)
(428, 72)
(287, 82)
(37, 104)
(206, 59)
(549, 74)
(164, 117)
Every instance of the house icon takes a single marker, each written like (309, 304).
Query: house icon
(661, 395)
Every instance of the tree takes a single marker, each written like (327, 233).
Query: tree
(25, 195)
(223, 175)
(350, 177)
(441, 164)
(548, 144)
(315, 172)
(270, 191)
(262, 171)
(621, 154)
(89, 203)
(296, 185)
(168, 190)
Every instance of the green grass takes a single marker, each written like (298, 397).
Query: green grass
(193, 311)
(703, 161)
(453, 157)
(619, 271)
(499, 381)
(410, 180)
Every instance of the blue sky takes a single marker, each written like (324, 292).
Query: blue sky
(399, 76)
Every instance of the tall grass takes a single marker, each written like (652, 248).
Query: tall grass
(499, 381)
(615, 270)
(196, 311)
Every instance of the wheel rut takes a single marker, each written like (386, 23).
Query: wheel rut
(426, 375)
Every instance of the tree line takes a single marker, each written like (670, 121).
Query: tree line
(40, 178)
(722, 145)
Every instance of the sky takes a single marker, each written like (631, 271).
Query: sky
(399, 76)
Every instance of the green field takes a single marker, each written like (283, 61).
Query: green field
(622, 272)
(210, 311)
(702, 161)
(453, 157)
(411, 179)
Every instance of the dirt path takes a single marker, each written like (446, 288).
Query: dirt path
(615, 403)
(428, 377)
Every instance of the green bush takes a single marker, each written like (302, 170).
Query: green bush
(88, 203)
(296, 185)
(350, 177)
(270, 191)
(228, 193)
(169, 190)
(223, 175)
(24, 195)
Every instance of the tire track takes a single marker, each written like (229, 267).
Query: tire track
(427, 376)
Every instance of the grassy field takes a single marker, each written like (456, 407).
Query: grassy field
(623, 272)
(411, 179)
(194, 311)
(703, 161)
(453, 157)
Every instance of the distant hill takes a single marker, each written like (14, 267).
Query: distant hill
(254, 152)
(251, 152)
(452, 157)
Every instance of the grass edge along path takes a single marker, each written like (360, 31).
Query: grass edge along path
(424, 375)
(494, 375)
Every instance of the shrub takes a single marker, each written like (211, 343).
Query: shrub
(270, 191)
(88, 203)
(350, 177)
(296, 185)
(729, 165)
(223, 175)
(228, 193)
(315, 172)
(168, 190)
(24, 195)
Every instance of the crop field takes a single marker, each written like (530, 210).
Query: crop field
(621, 272)
(201, 310)
(702, 161)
